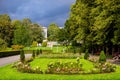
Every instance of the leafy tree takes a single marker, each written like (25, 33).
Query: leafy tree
(37, 33)
(6, 30)
(3, 44)
(62, 35)
(53, 32)
(21, 34)
(95, 23)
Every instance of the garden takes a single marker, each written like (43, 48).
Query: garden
(60, 66)
(87, 47)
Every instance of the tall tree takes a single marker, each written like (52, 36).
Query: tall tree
(53, 32)
(6, 30)
(21, 33)
(37, 33)
(95, 21)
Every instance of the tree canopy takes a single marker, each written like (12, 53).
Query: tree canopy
(95, 23)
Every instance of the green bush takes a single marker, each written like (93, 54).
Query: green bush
(37, 52)
(102, 57)
(22, 56)
(33, 54)
(34, 44)
(8, 53)
(40, 51)
(44, 44)
(86, 56)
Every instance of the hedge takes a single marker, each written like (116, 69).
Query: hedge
(8, 53)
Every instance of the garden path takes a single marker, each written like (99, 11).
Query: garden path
(7, 60)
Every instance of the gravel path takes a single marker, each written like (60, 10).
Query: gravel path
(7, 60)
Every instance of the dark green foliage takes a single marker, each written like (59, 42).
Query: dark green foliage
(22, 56)
(37, 33)
(40, 51)
(74, 50)
(102, 57)
(6, 30)
(3, 44)
(53, 30)
(8, 53)
(37, 52)
(33, 54)
(95, 23)
(86, 56)
(44, 44)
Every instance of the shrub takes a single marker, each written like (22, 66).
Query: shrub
(102, 57)
(17, 47)
(44, 44)
(34, 44)
(86, 55)
(22, 56)
(37, 52)
(8, 53)
(33, 54)
(40, 51)
(105, 67)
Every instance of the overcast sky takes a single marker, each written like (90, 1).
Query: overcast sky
(43, 12)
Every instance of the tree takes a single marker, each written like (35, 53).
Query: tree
(62, 35)
(53, 32)
(95, 23)
(21, 33)
(78, 24)
(36, 33)
(3, 44)
(6, 30)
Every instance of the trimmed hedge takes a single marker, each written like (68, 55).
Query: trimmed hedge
(8, 53)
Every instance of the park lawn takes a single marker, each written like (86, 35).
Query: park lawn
(42, 63)
(8, 73)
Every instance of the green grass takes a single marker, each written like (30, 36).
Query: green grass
(8, 73)
(42, 63)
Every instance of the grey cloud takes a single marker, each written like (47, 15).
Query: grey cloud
(42, 11)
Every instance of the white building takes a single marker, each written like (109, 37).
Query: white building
(45, 32)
